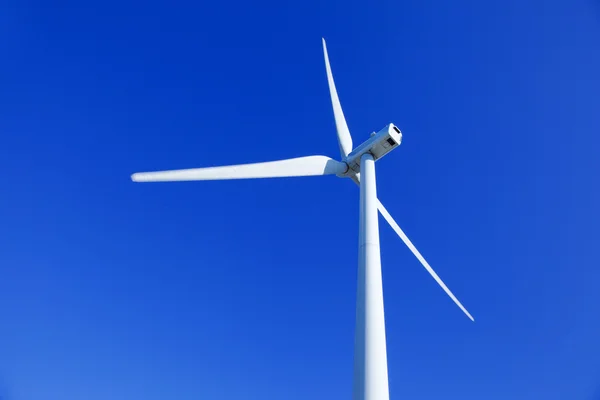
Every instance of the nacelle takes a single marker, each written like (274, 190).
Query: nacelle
(379, 144)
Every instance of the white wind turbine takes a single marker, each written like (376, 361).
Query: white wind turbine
(370, 359)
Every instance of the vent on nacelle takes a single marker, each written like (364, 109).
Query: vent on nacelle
(391, 141)
(396, 129)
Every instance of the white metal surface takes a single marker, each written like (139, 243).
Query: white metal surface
(370, 358)
(378, 145)
(302, 166)
(343, 133)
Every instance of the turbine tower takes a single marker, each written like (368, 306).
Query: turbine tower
(370, 357)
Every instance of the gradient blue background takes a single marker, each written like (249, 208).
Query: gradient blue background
(245, 290)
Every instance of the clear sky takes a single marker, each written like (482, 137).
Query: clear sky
(245, 290)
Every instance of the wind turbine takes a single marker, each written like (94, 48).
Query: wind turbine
(370, 358)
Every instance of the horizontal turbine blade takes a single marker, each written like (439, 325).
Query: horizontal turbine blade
(414, 250)
(343, 133)
(302, 166)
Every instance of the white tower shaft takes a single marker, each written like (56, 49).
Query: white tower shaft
(370, 358)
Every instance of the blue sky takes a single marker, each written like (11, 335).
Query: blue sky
(245, 290)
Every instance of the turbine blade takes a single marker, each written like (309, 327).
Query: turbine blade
(414, 250)
(302, 166)
(408, 243)
(344, 138)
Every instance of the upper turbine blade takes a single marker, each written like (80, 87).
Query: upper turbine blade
(414, 250)
(344, 138)
(302, 166)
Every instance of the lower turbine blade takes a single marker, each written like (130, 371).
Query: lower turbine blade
(384, 212)
(414, 250)
(302, 166)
